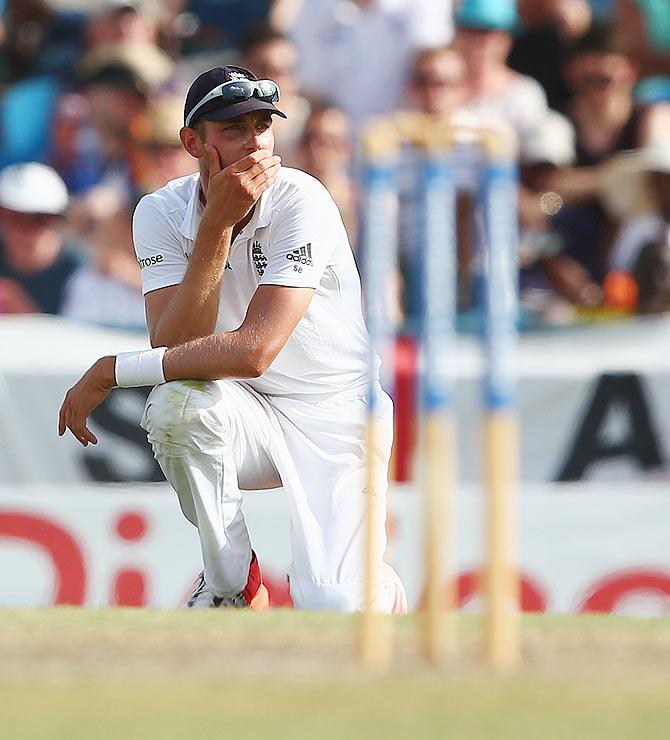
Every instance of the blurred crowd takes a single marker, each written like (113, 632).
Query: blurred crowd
(91, 105)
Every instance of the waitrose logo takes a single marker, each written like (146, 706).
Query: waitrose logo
(156, 259)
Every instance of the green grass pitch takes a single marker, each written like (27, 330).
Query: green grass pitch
(75, 674)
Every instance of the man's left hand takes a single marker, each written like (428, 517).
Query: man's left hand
(88, 393)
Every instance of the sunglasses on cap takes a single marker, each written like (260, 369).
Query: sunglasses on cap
(237, 91)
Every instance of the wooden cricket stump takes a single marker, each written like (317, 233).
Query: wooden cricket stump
(490, 159)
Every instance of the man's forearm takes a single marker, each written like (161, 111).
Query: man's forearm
(194, 306)
(229, 354)
(225, 355)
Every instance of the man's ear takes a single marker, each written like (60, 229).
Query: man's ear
(192, 142)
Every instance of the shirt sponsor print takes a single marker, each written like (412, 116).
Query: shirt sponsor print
(155, 259)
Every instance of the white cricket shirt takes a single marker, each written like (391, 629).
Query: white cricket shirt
(295, 238)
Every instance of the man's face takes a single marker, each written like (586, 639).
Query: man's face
(113, 109)
(436, 85)
(482, 48)
(276, 60)
(165, 162)
(599, 76)
(238, 137)
(326, 141)
(29, 236)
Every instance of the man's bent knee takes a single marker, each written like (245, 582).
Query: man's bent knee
(180, 411)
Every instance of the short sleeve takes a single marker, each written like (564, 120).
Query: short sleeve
(305, 233)
(158, 247)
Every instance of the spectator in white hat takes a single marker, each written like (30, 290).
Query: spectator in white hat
(35, 263)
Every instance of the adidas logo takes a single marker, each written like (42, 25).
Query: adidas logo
(302, 255)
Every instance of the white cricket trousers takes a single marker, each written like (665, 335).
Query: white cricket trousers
(214, 439)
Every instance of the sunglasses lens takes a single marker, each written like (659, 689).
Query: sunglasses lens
(237, 91)
(267, 90)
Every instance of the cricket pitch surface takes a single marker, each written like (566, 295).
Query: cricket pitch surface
(69, 673)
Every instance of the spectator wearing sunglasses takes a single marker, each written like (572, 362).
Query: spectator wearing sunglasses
(607, 122)
(436, 88)
(547, 29)
(253, 303)
(326, 153)
(495, 94)
(158, 155)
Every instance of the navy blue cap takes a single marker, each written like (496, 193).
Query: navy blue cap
(218, 109)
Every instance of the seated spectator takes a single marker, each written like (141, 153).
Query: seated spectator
(547, 29)
(436, 81)
(497, 95)
(75, 152)
(357, 53)
(122, 68)
(435, 87)
(271, 55)
(99, 121)
(107, 290)
(325, 152)
(118, 21)
(157, 154)
(126, 33)
(93, 121)
(551, 284)
(36, 264)
(494, 93)
(607, 121)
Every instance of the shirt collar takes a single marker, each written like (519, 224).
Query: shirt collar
(189, 226)
(262, 214)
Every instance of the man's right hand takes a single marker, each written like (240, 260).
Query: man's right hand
(232, 191)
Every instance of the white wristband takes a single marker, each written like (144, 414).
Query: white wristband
(140, 368)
